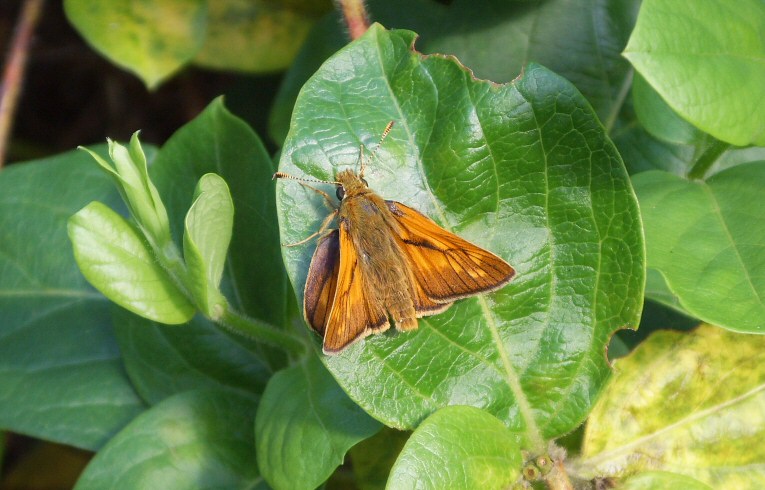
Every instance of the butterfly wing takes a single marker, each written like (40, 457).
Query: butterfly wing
(353, 314)
(321, 282)
(445, 266)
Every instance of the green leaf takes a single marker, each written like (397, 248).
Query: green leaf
(705, 59)
(656, 288)
(195, 440)
(61, 376)
(201, 354)
(116, 260)
(689, 403)
(131, 176)
(206, 239)
(256, 36)
(305, 425)
(587, 52)
(151, 38)
(652, 480)
(708, 242)
(658, 118)
(458, 447)
(219, 142)
(524, 170)
(321, 42)
(164, 360)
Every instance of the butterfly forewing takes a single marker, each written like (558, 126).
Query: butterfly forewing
(353, 314)
(445, 266)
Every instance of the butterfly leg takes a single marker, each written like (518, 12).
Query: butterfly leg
(327, 200)
(322, 230)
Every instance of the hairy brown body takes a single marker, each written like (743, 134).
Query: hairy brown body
(369, 223)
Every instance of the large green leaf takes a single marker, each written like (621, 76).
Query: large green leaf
(305, 425)
(689, 403)
(151, 38)
(458, 447)
(61, 376)
(708, 242)
(581, 40)
(195, 440)
(706, 59)
(524, 170)
(163, 360)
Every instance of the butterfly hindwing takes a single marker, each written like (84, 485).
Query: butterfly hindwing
(322, 281)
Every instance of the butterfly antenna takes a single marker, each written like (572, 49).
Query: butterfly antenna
(379, 144)
(282, 175)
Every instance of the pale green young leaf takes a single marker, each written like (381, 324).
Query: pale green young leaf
(206, 239)
(116, 260)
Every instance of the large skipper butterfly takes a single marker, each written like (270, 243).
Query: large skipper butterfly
(386, 261)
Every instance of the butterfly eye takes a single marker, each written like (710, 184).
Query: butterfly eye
(340, 192)
(365, 181)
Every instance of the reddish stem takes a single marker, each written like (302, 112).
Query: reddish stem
(356, 18)
(13, 75)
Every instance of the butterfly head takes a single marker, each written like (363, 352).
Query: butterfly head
(350, 183)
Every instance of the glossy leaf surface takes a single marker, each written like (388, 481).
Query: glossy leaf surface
(305, 426)
(688, 403)
(708, 241)
(523, 170)
(61, 376)
(195, 440)
(458, 447)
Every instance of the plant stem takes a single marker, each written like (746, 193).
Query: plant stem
(356, 18)
(558, 479)
(707, 159)
(262, 331)
(13, 75)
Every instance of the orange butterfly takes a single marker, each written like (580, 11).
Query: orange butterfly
(386, 261)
